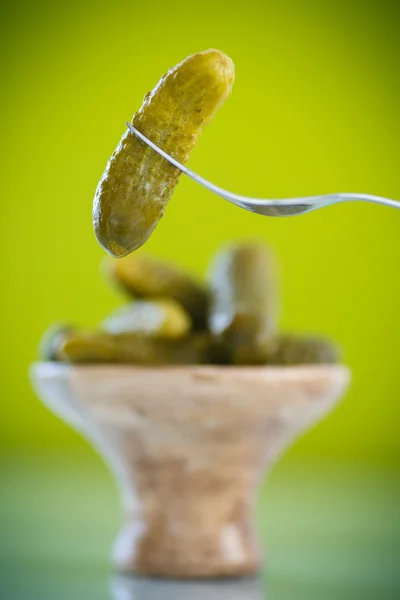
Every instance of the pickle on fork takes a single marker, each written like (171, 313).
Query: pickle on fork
(137, 183)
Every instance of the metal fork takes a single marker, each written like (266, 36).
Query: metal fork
(271, 208)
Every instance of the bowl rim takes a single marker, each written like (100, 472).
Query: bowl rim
(53, 367)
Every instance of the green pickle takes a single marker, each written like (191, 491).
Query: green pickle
(103, 347)
(154, 318)
(296, 350)
(146, 277)
(132, 195)
(50, 342)
(171, 317)
(174, 320)
(243, 311)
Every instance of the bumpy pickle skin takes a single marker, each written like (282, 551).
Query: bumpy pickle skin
(101, 347)
(243, 309)
(154, 318)
(142, 276)
(137, 183)
(296, 350)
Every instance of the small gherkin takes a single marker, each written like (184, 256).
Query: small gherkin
(302, 350)
(129, 348)
(163, 318)
(51, 340)
(143, 276)
(243, 305)
(91, 347)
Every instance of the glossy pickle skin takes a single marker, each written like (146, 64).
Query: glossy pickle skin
(243, 308)
(142, 276)
(137, 183)
(163, 318)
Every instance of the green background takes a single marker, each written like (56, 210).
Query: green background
(314, 110)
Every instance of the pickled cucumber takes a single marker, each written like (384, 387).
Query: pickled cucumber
(137, 183)
(103, 347)
(296, 350)
(243, 310)
(178, 321)
(145, 277)
(157, 318)
(50, 342)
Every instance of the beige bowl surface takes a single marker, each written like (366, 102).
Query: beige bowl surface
(188, 446)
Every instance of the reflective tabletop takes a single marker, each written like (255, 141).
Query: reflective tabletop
(330, 531)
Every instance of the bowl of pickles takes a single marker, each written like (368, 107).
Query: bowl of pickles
(190, 392)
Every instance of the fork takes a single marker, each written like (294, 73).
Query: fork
(270, 208)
